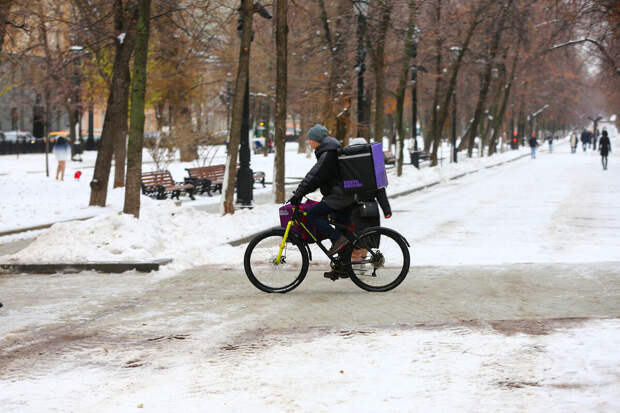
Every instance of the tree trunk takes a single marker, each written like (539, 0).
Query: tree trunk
(184, 137)
(281, 90)
(486, 80)
(227, 206)
(120, 131)
(116, 110)
(435, 130)
(402, 86)
(378, 60)
(5, 9)
(443, 113)
(136, 132)
(502, 110)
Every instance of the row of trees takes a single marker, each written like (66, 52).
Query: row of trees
(497, 61)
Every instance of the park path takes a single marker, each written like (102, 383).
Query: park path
(200, 335)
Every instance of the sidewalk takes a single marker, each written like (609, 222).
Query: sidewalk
(265, 197)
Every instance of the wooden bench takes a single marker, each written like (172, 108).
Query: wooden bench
(211, 178)
(159, 184)
(389, 158)
(419, 156)
(207, 178)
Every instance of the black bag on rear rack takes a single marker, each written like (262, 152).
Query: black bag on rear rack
(362, 168)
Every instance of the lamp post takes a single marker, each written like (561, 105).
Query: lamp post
(414, 89)
(77, 125)
(244, 174)
(532, 119)
(455, 52)
(361, 11)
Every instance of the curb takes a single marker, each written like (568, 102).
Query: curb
(36, 227)
(65, 268)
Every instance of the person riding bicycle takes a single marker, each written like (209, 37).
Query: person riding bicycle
(325, 175)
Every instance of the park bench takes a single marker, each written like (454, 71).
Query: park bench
(159, 184)
(418, 157)
(211, 178)
(389, 158)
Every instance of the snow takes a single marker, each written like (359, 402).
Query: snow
(164, 230)
(167, 230)
(103, 342)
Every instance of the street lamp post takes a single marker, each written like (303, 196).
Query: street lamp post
(361, 10)
(77, 125)
(414, 89)
(245, 180)
(455, 51)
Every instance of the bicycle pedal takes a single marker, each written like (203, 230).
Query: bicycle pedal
(334, 275)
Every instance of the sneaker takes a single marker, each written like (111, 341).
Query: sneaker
(338, 245)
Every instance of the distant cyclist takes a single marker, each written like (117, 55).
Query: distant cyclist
(325, 175)
(604, 147)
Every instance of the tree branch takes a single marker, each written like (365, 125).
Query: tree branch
(608, 58)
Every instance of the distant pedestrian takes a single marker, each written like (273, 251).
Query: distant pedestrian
(604, 148)
(595, 136)
(550, 141)
(573, 142)
(584, 139)
(533, 145)
(62, 151)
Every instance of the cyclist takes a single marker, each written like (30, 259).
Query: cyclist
(325, 175)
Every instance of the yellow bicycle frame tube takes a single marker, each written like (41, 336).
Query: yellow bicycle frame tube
(283, 244)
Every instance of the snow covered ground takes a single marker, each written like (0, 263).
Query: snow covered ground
(513, 303)
(164, 230)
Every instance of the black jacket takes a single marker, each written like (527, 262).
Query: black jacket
(533, 142)
(325, 175)
(604, 146)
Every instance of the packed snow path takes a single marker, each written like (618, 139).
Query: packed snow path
(513, 305)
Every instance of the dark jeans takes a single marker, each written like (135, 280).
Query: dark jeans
(317, 217)
(604, 160)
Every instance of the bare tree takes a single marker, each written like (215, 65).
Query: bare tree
(281, 90)
(115, 122)
(138, 92)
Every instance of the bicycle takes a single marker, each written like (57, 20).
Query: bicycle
(277, 260)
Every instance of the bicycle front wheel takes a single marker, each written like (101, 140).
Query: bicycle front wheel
(379, 259)
(261, 267)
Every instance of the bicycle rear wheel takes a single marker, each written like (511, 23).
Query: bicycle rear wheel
(379, 259)
(264, 273)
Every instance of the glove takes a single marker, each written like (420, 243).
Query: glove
(295, 200)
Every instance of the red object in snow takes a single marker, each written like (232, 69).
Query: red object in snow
(77, 175)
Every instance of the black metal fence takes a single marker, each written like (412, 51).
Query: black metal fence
(11, 147)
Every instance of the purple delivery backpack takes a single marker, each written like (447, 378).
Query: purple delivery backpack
(362, 168)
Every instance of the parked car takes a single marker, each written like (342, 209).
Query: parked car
(52, 136)
(18, 136)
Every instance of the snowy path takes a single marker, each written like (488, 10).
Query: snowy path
(513, 305)
(518, 337)
(561, 207)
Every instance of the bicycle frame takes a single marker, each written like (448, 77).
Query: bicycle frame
(295, 220)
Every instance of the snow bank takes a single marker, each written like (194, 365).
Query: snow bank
(187, 235)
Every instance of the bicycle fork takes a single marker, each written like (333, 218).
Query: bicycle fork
(278, 259)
